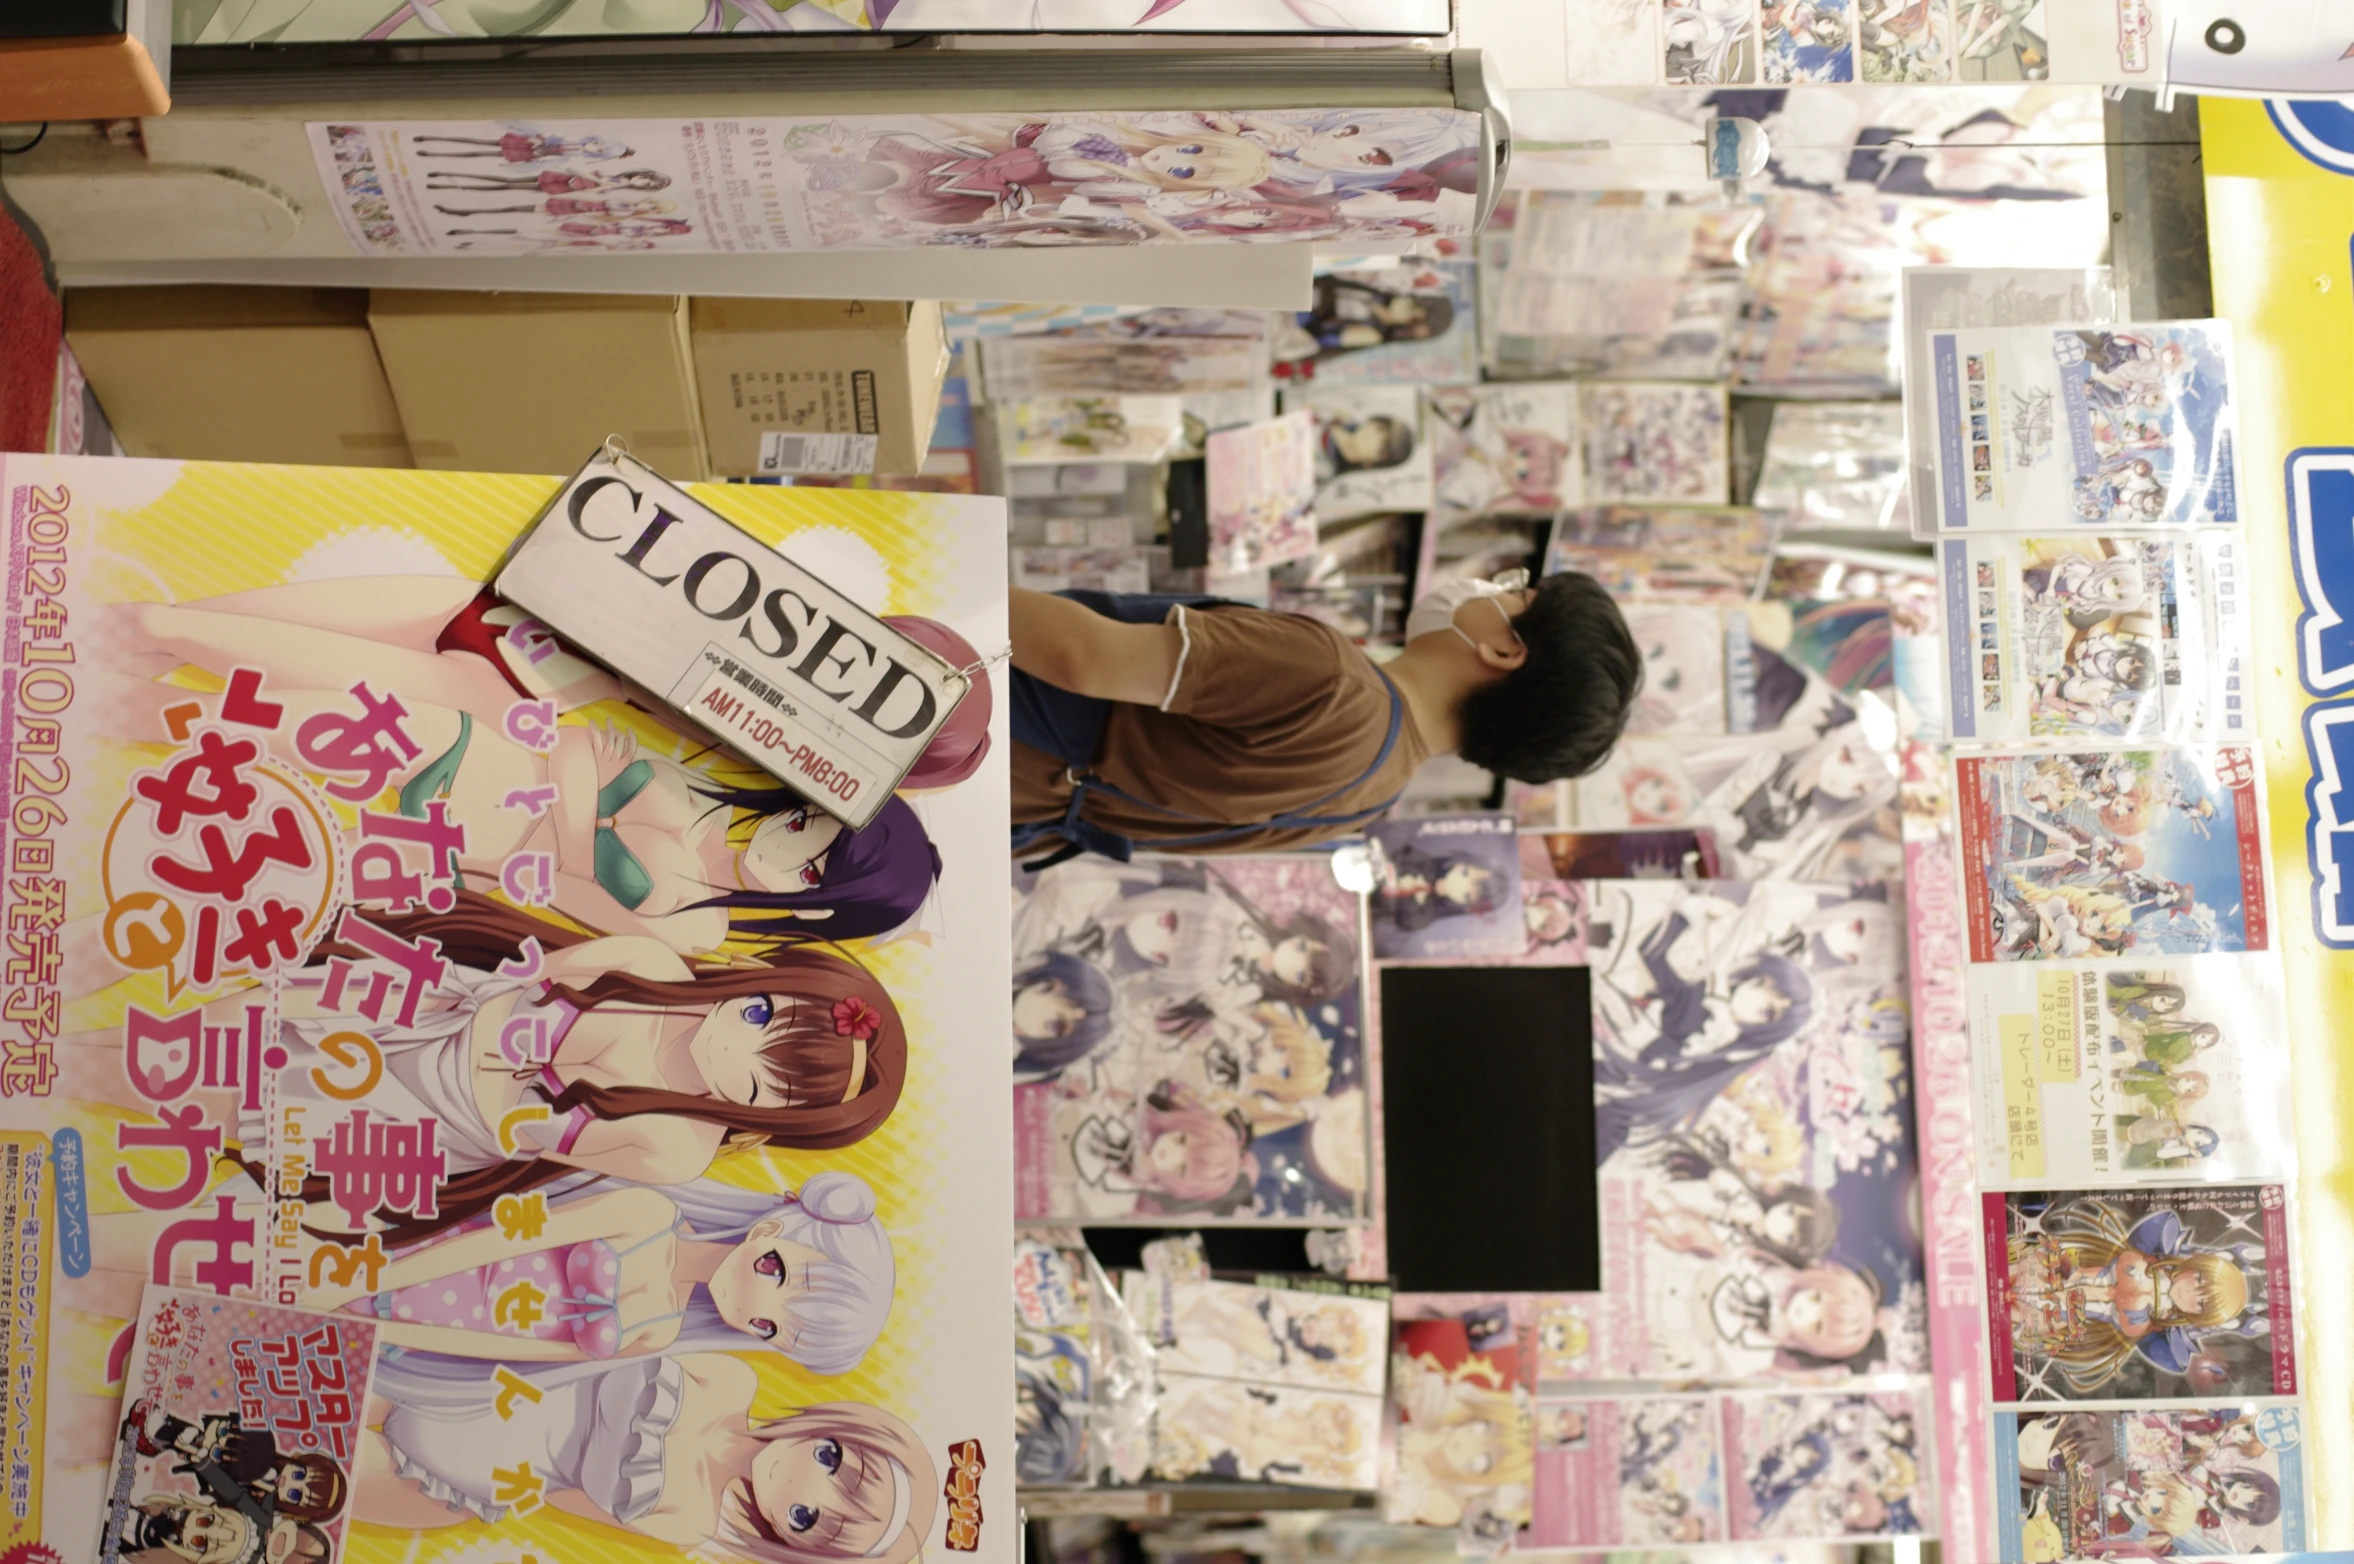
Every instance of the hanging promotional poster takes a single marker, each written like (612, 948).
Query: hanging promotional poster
(1054, 1362)
(2086, 638)
(1387, 323)
(2135, 853)
(242, 1428)
(338, 994)
(1231, 1430)
(1683, 689)
(895, 181)
(1829, 1466)
(1627, 1473)
(1654, 442)
(1462, 1384)
(1753, 1127)
(2140, 1294)
(1566, 1327)
(428, 21)
(1311, 1340)
(2111, 427)
(1503, 447)
(1445, 887)
(1813, 799)
(1665, 555)
(2150, 1482)
(1370, 454)
(1188, 1043)
(1262, 492)
(1941, 297)
(2154, 1073)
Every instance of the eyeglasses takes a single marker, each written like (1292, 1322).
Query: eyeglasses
(1510, 580)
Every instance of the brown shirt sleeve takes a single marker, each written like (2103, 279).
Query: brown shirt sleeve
(1246, 668)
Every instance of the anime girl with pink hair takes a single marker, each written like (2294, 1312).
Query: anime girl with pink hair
(1175, 1154)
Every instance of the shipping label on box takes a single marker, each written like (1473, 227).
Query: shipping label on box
(804, 683)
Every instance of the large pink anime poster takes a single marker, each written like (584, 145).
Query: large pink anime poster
(895, 181)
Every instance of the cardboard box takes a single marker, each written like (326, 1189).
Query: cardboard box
(238, 374)
(535, 382)
(833, 367)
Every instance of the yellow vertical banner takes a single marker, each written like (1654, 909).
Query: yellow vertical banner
(2280, 211)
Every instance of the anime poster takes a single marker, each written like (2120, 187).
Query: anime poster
(1234, 1431)
(1708, 43)
(1054, 1366)
(1503, 447)
(1808, 41)
(1053, 430)
(242, 1430)
(1653, 442)
(1444, 887)
(1466, 1435)
(1829, 1466)
(2003, 40)
(2135, 853)
(1939, 298)
(1653, 554)
(1754, 1132)
(1683, 688)
(1843, 609)
(1555, 911)
(1310, 1340)
(1384, 323)
(1370, 454)
(1567, 1330)
(1813, 798)
(1188, 1043)
(2140, 1294)
(2088, 424)
(2097, 638)
(333, 1007)
(2153, 1073)
(896, 181)
(428, 21)
(1904, 41)
(1627, 1473)
(1262, 493)
(2150, 1482)
(1158, 353)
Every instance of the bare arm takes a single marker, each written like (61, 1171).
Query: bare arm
(1074, 648)
(622, 1217)
(645, 1148)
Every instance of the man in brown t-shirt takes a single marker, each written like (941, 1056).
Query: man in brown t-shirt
(1196, 726)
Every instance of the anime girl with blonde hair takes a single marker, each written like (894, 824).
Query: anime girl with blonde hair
(1225, 1428)
(665, 1448)
(1465, 1436)
(2097, 1288)
(2072, 920)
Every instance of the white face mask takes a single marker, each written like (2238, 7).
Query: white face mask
(1435, 609)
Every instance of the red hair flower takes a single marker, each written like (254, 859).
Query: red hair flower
(854, 1017)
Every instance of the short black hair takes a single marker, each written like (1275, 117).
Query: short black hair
(1560, 712)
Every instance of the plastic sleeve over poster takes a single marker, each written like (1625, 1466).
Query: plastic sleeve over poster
(893, 181)
(367, 994)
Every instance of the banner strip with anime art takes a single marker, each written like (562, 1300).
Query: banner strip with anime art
(379, 957)
(895, 181)
(426, 21)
